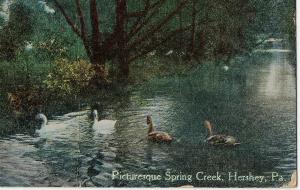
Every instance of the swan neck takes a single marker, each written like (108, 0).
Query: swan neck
(209, 127)
(210, 132)
(44, 120)
(151, 128)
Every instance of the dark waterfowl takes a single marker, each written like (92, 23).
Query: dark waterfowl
(219, 139)
(157, 136)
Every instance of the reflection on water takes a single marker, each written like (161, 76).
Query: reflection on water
(17, 169)
(277, 82)
(254, 101)
(273, 50)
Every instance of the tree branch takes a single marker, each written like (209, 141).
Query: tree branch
(148, 50)
(68, 19)
(81, 19)
(141, 13)
(83, 28)
(139, 24)
(136, 14)
(95, 25)
(156, 28)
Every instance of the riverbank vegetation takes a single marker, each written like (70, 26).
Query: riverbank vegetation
(61, 49)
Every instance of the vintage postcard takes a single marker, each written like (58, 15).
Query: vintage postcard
(148, 93)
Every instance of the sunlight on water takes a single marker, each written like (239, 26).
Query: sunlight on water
(278, 82)
(17, 169)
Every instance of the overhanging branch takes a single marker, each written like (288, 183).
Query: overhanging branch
(95, 25)
(159, 26)
(170, 36)
(68, 19)
(83, 28)
(81, 19)
(140, 23)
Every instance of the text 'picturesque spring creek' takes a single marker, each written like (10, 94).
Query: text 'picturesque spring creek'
(253, 99)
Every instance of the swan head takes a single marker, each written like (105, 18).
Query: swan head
(41, 119)
(95, 114)
(150, 124)
(149, 120)
(208, 126)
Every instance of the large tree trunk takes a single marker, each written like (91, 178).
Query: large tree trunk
(97, 55)
(101, 72)
(121, 23)
(99, 64)
(124, 64)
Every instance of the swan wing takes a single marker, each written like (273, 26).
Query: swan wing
(230, 140)
(107, 123)
(160, 136)
(160, 133)
(216, 139)
(222, 139)
(105, 126)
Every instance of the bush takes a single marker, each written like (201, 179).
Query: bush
(68, 78)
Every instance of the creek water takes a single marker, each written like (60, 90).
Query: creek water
(254, 100)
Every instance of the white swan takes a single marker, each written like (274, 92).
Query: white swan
(42, 119)
(103, 126)
(66, 126)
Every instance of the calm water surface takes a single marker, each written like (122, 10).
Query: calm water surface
(255, 100)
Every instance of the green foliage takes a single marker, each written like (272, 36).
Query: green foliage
(288, 24)
(1, 21)
(52, 37)
(224, 28)
(22, 71)
(68, 78)
(17, 30)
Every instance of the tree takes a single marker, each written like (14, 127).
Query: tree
(132, 32)
(220, 28)
(16, 31)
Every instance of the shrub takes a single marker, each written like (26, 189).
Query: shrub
(68, 78)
